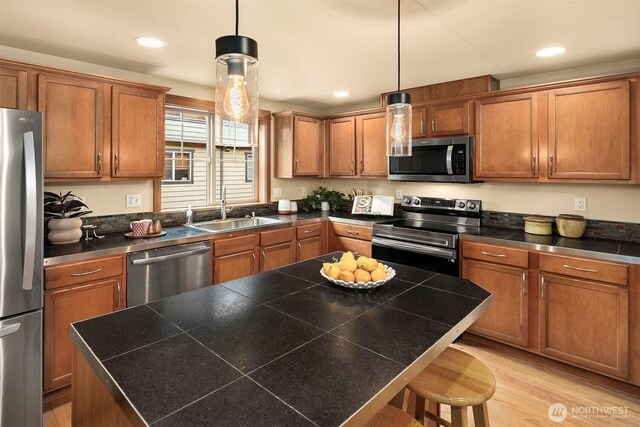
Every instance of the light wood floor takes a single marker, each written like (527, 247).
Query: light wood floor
(524, 391)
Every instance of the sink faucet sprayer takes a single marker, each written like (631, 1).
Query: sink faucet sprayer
(223, 203)
(189, 215)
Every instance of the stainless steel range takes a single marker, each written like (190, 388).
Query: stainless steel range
(427, 234)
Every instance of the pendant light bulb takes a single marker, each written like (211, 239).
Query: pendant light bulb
(236, 101)
(398, 128)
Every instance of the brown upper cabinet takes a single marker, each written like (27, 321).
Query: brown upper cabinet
(13, 88)
(342, 146)
(588, 132)
(371, 144)
(94, 127)
(74, 116)
(137, 133)
(419, 122)
(449, 118)
(506, 137)
(298, 144)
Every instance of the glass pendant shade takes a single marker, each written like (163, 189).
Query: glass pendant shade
(236, 90)
(399, 125)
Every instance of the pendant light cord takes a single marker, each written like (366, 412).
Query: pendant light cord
(238, 15)
(398, 45)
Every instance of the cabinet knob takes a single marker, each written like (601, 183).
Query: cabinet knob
(533, 165)
(117, 163)
(551, 164)
(119, 295)
(99, 163)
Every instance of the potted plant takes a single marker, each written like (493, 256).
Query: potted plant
(64, 212)
(335, 199)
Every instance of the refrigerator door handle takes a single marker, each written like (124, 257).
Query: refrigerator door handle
(9, 329)
(31, 211)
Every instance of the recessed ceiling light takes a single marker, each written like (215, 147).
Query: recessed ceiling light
(150, 42)
(341, 93)
(551, 51)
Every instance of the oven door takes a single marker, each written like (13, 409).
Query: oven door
(433, 258)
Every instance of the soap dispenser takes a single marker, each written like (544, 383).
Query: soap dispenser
(189, 215)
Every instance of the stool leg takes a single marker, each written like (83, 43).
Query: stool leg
(481, 415)
(434, 408)
(459, 416)
(419, 410)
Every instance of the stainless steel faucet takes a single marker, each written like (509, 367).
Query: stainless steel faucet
(223, 203)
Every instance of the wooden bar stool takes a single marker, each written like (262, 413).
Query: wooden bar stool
(457, 379)
(390, 416)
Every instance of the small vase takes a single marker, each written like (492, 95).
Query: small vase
(64, 230)
(324, 206)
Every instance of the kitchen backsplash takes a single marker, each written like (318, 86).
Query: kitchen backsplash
(597, 229)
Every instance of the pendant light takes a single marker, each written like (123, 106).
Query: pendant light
(236, 87)
(398, 116)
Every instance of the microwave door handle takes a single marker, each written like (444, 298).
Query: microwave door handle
(449, 157)
(31, 212)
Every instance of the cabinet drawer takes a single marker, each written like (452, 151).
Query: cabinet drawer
(274, 237)
(601, 271)
(496, 254)
(353, 231)
(235, 245)
(361, 247)
(311, 230)
(82, 272)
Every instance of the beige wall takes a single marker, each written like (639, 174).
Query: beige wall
(607, 202)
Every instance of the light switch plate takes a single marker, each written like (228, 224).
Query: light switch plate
(398, 194)
(304, 191)
(277, 192)
(134, 200)
(580, 204)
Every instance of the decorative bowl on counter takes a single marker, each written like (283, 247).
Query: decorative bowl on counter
(538, 224)
(361, 285)
(571, 225)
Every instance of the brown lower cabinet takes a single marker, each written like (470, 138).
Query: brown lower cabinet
(310, 241)
(508, 317)
(235, 257)
(354, 238)
(67, 303)
(577, 310)
(277, 248)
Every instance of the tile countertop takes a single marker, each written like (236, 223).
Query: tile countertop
(611, 250)
(116, 243)
(284, 345)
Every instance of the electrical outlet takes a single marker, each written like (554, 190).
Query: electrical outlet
(330, 188)
(134, 200)
(580, 204)
(304, 191)
(277, 192)
(398, 194)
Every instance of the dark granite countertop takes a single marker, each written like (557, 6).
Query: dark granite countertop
(612, 250)
(117, 243)
(284, 347)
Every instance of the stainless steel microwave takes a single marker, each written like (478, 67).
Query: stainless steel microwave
(435, 160)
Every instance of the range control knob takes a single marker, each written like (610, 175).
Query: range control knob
(416, 202)
(461, 205)
(407, 201)
(471, 205)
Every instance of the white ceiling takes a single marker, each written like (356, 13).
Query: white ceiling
(310, 48)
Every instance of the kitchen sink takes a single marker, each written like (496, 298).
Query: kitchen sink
(220, 226)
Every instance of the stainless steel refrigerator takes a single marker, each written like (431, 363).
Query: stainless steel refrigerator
(21, 274)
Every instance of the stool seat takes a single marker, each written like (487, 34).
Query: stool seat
(392, 416)
(455, 378)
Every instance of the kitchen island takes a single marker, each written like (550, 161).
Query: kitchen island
(284, 347)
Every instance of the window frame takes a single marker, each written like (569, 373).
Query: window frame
(262, 163)
(173, 151)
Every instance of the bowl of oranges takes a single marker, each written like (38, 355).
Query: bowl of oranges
(357, 273)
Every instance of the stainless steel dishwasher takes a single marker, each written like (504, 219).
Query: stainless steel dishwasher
(163, 272)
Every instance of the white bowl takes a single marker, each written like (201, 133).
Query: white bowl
(361, 285)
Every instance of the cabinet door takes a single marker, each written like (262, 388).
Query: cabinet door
(306, 146)
(585, 323)
(508, 317)
(65, 306)
(309, 248)
(418, 122)
(589, 132)
(137, 137)
(372, 144)
(507, 137)
(13, 88)
(73, 112)
(277, 256)
(234, 266)
(448, 119)
(342, 147)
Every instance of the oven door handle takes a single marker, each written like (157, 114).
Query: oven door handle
(412, 247)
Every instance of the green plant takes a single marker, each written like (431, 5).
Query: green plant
(314, 200)
(63, 206)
